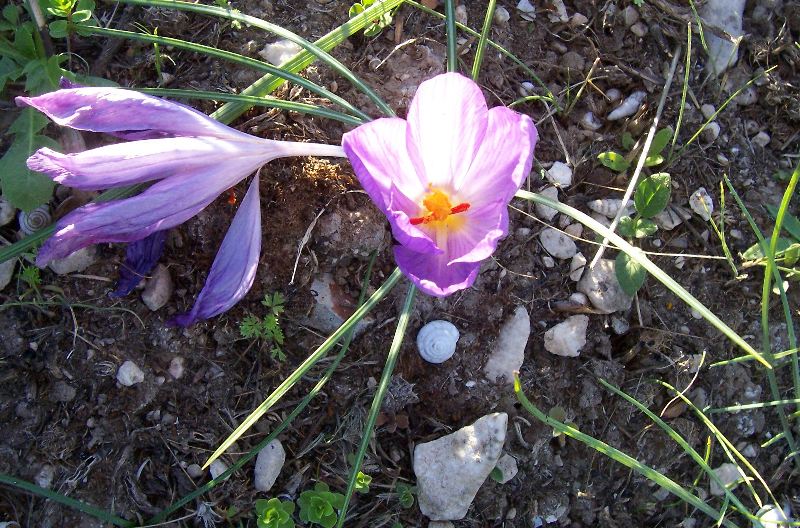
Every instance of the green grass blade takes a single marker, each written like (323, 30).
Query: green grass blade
(315, 50)
(269, 102)
(232, 57)
(377, 400)
(637, 255)
(742, 359)
(487, 25)
(450, 25)
(624, 459)
(687, 67)
(760, 405)
(295, 376)
(162, 516)
(66, 501)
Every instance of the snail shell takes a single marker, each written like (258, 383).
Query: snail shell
(437, 340)
(39, 218)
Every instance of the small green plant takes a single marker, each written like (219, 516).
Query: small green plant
(30, 275)
(619, 163)
(267, 329)
(320, 505)
(72, 17)
(362, 482)
(405, 494)
(787, 251)
(274, 513)
(235, 24)
(377, 25)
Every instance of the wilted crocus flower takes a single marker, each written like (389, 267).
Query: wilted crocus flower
(195, 158)
(444, 178)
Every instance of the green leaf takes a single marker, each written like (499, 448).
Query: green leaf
(614, 161)
(754, 252)
(654, 159)
(627, 141)
(652, 194)
(81, 16)
(362, 482)
(23, 41)
(660, 141)
(355, 10)
(11, 13)
(496, 475)
(59, 28)
(625, 228)
(790, 222)
(630, 274)
(636, 227)
(792, 255)
(21, 186)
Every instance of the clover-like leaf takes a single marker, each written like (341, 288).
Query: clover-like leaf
(652, 194)
(614, 161)
(362, 482)
(630, 274)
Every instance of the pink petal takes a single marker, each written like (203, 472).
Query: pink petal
(477, 239)
(234, 268)
(432, 274)
(446, 124)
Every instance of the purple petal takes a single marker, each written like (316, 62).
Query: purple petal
(140, 258)
(234, 267)
(166, 204)
(377, 152)
(446, 124)
(126, 113)
(432, 274)
(145, 160)
(477, 238)
(503, 161)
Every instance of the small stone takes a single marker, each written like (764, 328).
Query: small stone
(74, 263)
(176, 367)
(7, 212)
(710, 132)
(751, 127)
(771, 516)
(614, 95)
(726, 14)
(508, 468)
(573, 61)
(159, 288)
(761, 139)
(574, 230)
(671, 217)
(268, 465)
(579, 299)
(568, 337)
(217, 468)
(7, 272)
(501, 16)
(559, 175)
(63, 392)
(526, 88)
(509, 351)
(129, 374)
(702, 204)
(332, 307)
(44, 478)
(451, 469)
(730, 477)
(461, 14)
(277, 53)
(601, 286)
(557, 243)
(708, 111)
(194, 471)
(589, 121)
(608, 207)
(748, 96)
(578, 20)
(544, 212)
(695, 314)
(576, 267)
(737, 234)
(639, 29)
(631, 15)
(619, 325)
(526, 9)
(548, 261)
(628, 107)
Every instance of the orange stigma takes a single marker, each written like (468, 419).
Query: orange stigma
(440, 208)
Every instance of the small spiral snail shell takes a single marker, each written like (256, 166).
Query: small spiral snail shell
(39, 218)
(437, 340)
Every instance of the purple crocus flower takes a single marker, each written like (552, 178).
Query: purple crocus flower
(444, 179)
(193, 157)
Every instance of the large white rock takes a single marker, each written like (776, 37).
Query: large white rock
(601, 286)
(509, 351)
(129, 374)
(726, 14)
(567, 337)
(268, 465)
(450, 470)
(558, 244)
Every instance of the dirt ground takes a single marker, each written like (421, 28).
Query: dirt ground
(127, 449)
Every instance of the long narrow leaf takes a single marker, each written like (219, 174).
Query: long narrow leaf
(487, 25)
(450, 25)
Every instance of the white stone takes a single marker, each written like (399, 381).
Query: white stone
(671, 217)
(194, 471)
(589, 121)
(631, 15)
(436, 341)
(578, 20)
(708, 111)
(6, 272)
(557, 243)
(526, 9)
(614, 95)
(560, 174)
(601, 286)
(7, 212)
(509, 350)
(576, 267)
(574, 230)
(710, 132)
(44, 478)
(276, 53)
(771, 516)
(332, 307)
(217, 468)
(508, 468)
(619, 325)
(608, 207)
(501, 15)
(761, 139)
(579, 299)
(702, 204)
(747, 97)
(726, 14)
(639, 29)
(158, 289)
(451, 469)
(269, 463)
(548, 261)
(527, 88)
(730, 477)
(461, 14)
(129, 374)
(568, 337)
(74, 263)
(628, 107)
(544, 212)
(176, 367)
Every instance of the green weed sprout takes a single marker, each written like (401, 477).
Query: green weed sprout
(320, 505)
(405, 494)
(72, 17)
(378, 25)
(362, 482)
(274, 513)
(267, 329)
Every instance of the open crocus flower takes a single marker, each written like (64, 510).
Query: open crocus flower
(444, 179)
(195, 159)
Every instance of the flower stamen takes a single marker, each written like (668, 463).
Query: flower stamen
(440, 208)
